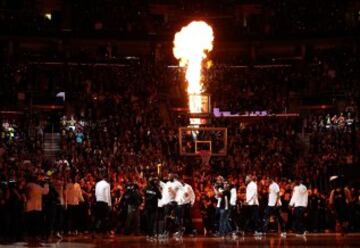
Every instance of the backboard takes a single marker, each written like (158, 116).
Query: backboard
(195, 139)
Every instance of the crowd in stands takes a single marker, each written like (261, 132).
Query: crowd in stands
(140, 18)
(131, 155)
(114, 124)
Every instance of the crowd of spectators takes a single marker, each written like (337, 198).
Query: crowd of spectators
(125, 134)
(116, 120)
(131, 155)
(328, 78)
(140, 18)
(240, 90)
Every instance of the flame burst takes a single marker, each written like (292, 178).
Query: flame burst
(191, 45)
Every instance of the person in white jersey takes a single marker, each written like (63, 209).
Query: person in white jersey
(185, 198)
(299, 201)
(274, 207)
(167, 204)
(252, 202)
(103, 204)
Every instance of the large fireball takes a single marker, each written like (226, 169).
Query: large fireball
(191, 45)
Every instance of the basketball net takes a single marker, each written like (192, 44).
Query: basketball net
(205, 157)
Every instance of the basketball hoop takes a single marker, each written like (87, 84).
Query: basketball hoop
(205, 156)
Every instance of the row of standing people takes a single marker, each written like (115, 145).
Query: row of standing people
(227, 221)
(166, 207)
(48, 207)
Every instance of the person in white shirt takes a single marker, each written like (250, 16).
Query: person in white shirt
(173, 187)
(299, 201)
(273, 207)
(233, 196)
(162, 202)
(233, 209)
(252, 202)
(252, 192)
(33, 207)
(103, 204)
(165, 198)
(180, 208)
(73, 197)
(185, 198)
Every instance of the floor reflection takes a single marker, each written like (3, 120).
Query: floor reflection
(313, 240)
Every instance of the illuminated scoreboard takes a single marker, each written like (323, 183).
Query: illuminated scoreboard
(199, 105)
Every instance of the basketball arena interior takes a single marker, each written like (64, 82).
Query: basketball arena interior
(188, 123)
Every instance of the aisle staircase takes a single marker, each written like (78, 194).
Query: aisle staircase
(51, 144)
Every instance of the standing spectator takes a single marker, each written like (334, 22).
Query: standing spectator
(218, 189)
(233, 209)
(224, 226)
(59, 186)
(152, 195)
(84, 207)
(189, 200)
(103, 205)
(133, 200)
(185, 198)
(33, 206)
(51, 201)
(208, 213)
(315, 205)
(15, 209)
(253, 204)
(340, 198)
(173, 186)
(73, 197)
(273, 207)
